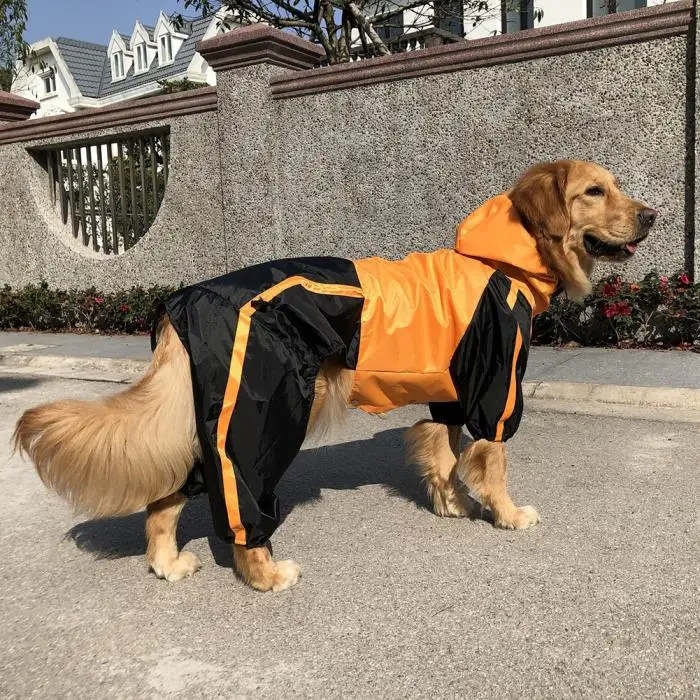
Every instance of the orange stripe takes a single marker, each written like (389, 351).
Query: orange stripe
(512, 389)
(512, 296)
(233, 385)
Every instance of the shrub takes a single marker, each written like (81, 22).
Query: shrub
(658, 311)
(39, 308)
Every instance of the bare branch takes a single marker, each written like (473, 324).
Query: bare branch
(376, 40)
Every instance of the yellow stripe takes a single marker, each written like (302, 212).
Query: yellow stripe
(234, 383)
(512, 389)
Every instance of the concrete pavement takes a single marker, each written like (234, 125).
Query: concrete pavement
(600, 600)
(581, 365)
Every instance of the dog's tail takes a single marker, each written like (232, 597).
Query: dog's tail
(114, 456)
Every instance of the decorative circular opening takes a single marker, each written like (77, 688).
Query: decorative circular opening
(108, 190)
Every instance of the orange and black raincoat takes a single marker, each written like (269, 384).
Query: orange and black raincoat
(450, 329)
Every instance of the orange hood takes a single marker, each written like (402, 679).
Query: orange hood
(493, 233)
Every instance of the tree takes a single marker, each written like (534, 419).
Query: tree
(13, 48)
(171, 86)
(371, 25)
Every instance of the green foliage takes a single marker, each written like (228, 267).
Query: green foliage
(40, 308)
(171, 86)
(658, 311)
(13, 48)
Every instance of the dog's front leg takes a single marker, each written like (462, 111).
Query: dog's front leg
(484, 468)
(161, 530)
(257, 568)
(434, 447)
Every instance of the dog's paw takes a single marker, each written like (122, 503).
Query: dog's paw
(185, 565)
(450, 507)
(287, 574)
(521, 519)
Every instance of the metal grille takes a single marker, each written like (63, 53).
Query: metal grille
(110, 191)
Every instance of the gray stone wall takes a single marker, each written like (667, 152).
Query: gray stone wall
(394, 167)
(378, 170)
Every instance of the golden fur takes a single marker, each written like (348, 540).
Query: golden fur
(135, 449)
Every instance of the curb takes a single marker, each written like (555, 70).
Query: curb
(88, 368)
(575, 394)
(640, 396)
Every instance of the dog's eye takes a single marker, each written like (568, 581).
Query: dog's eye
(595, 191)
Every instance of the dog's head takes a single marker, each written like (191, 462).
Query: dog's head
(578, 214)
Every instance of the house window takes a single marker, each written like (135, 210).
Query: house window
(165, 54)
(391, 28)
(518, 14)
(141, 58)
(449, 16)
(118, 65)
(50, 83)
(598, 8)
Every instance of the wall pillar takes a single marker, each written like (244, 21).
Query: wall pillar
(245, 60)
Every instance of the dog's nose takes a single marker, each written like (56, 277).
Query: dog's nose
(647, 217)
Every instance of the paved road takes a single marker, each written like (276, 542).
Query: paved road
(600, 600)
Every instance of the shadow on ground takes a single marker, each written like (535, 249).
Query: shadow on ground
(347, 466)
(17, 383)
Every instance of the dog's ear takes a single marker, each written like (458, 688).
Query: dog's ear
(539, 198)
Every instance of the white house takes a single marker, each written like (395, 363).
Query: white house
(495, 16)
(543, 13)
(66, 75)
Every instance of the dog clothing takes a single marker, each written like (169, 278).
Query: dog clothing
(449, 328)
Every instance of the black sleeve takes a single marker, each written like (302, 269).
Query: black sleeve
(447, 412)
(489, 363)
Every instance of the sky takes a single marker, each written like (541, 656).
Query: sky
(92, 20)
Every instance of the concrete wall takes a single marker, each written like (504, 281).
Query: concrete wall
(394, 167)
(313, 162)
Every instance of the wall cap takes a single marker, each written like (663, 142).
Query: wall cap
(119, 114)
(14, 108)
(256, 44)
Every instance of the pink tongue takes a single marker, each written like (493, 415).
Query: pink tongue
(631, 248)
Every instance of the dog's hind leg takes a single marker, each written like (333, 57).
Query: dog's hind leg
(257, 568)
(484, 468)
(161, 529)
(434, 447)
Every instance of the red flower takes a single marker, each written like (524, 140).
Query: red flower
(634, 287)
(99, 300)
(684, 279)
(624, 309)
(663, 281)
(620, 308)
(123, 308)
(610, 310)
(609, 290)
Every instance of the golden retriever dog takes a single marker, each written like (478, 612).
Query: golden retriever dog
(136, 449)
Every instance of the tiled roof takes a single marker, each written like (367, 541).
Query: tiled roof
(196, 31)
(85, 62)
(90, 67)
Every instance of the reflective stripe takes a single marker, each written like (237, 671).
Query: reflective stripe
(512, 387)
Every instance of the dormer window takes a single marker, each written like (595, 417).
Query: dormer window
(165, 49)
(141, 58)
(50, 83)
(118, 65)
